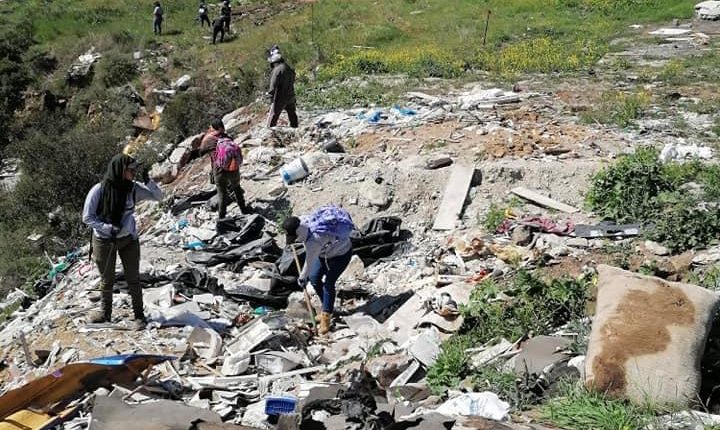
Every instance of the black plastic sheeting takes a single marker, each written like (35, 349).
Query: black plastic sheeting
(194, 200)
(241, 241)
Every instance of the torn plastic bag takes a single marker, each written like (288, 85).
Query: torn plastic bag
(246, 293)
(241, 228)
(188, 202)
(192, 281)
(286, 263)
(377, 239)
(263, 249)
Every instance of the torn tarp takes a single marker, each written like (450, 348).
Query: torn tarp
(75, 379)
(263, 249)
(242, 228)
(192, 281)
(543, 224)
(194, 200)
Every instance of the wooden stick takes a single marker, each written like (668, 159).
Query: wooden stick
(305, 293)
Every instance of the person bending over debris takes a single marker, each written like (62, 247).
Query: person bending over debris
(218, 28)
(225, 158)
(203, 14)
(157, 18)
(328, 249)
(282, 90)
(110, 211)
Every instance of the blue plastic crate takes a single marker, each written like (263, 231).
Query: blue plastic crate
(280, 405)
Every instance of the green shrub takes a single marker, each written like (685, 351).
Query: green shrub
(627, 190)
(639, 188)
(117, 69)
(526, 305)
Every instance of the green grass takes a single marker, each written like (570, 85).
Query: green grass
(535, 307)
(421, 38)
(619, 108)
(639, 188)
(579, 409)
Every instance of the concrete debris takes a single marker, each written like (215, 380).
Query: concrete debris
(81, 69)
(676, 152)
(221, 296)
(708, 10)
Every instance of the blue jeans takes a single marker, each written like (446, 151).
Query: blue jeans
(330, 269)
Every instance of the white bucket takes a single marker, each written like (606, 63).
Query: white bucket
(294, 171)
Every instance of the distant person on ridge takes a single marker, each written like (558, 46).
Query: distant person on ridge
(157, 18)
(225, 158)
(226, 12)
(218, 26)
(282, 90)
(110, 210)
(203, 15)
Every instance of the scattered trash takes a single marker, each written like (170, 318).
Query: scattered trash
(485, 404)
(708, 10)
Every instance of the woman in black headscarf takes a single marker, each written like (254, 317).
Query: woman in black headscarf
(110, 211)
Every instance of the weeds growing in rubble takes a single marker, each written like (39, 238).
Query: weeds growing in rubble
(525, 305)
(619, 108)
(494, 218)
(580, 409)
(673, 200)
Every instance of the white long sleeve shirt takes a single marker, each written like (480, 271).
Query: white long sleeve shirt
(102, 228)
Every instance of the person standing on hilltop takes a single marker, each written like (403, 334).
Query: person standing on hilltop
(157, 18)
(226, 13)
(282, 89)
(203, 14)
(110, 210)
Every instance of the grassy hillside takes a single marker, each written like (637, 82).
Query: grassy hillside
(420, 37)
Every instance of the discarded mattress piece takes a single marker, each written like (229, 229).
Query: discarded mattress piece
(647, 338)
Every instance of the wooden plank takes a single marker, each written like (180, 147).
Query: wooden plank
(454, 198)
(541, 200)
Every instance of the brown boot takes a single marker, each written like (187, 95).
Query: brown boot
(324, 326)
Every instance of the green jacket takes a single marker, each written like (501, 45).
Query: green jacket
(282, 84)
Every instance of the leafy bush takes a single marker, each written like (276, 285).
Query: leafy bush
(15, 76)
(494, 218)
(639, 188)
(627, 191)
(191, 112)
(117, 69)
(534, 307)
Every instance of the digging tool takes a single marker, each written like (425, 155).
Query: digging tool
(305, 293)
(487, 22)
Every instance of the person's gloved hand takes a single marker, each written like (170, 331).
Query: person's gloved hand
(145, 174)
(302, 282)
(114, 231)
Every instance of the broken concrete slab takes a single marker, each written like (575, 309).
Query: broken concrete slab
(182, 83)
(425, 347)
(708, 10)
(454, 197)
(384, 369)
(540, 352)
(542, 200)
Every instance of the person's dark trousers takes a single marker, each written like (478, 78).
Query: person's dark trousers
(324, 273)
(203, 20)
(105, 252)
(157, 26)
(217, 30)
(227, 23)
(228, 184)
(276, 109)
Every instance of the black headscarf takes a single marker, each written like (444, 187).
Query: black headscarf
(115, 189)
